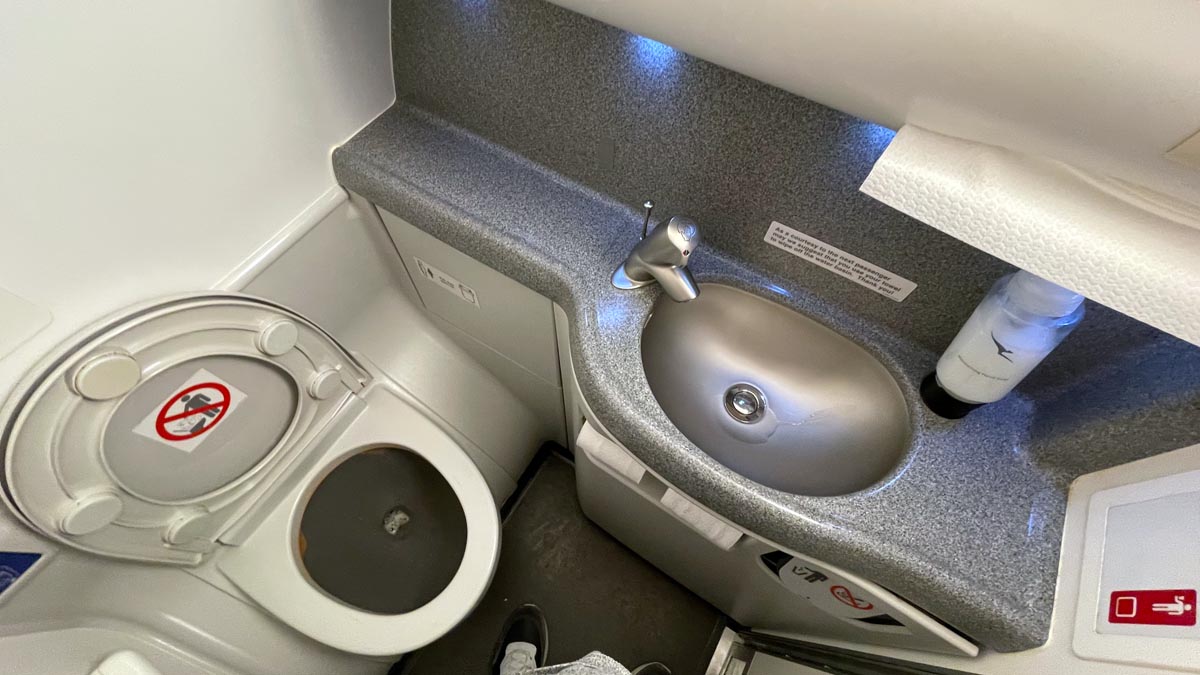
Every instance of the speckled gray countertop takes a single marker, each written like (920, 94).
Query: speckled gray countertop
(967, 528)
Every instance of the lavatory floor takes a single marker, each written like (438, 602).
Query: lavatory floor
(597, 594)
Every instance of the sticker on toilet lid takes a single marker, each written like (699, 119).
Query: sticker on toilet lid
(13, 565)
(183, 420)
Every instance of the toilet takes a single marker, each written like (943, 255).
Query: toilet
(230, 436)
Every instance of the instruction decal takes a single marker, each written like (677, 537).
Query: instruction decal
(1171, 607)
(194, 409)
(834, 259)
(13, 565)
(447, 283)
(830, 593)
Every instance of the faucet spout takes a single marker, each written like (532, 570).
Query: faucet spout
(662, 256)
(677, 282)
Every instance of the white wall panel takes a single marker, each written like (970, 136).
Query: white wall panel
(150, 146)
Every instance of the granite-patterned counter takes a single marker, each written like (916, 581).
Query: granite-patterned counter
(968, 528)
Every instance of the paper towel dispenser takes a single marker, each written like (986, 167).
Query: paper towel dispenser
(1031, 211)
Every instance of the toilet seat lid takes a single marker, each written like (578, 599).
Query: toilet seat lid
(155, 430)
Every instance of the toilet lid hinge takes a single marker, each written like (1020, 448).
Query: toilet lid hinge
(354, 381)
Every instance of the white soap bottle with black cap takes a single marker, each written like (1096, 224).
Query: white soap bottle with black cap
(1020, 321)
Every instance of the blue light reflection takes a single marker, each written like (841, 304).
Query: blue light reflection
(878, 134)
(778, 290)
(652, 56)
(869, 139)
(479, 16)
(612, 315)
(1034, 525)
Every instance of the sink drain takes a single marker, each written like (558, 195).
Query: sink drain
(745, 403)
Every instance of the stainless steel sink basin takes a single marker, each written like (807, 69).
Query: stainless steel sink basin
(774, 395)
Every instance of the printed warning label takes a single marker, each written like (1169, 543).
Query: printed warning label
(839, 262)
(191, 411)
(447, 283)
(834, 595)
(1154, 608)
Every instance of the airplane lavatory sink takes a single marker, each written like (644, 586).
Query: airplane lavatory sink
(774, 395)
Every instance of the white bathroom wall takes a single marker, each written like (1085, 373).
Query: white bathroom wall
(154, 147)
(151, 146)
(1106, 85)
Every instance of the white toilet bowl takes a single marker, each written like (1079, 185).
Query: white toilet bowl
(204, 431)
(268, 567)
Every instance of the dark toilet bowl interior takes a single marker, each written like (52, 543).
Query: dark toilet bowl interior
(383, 532)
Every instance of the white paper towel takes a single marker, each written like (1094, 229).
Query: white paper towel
(714, 529)
(609, 454)
(1134, 250)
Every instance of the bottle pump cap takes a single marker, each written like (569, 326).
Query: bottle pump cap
(1039, 296)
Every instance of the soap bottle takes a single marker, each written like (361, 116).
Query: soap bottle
(1020, 321)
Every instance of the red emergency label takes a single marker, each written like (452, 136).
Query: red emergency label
(1155, 608)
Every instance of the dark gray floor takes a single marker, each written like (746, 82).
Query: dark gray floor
(597, 594)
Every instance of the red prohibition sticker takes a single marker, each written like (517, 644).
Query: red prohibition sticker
(201, 406)
(844, 595)
(191, 411)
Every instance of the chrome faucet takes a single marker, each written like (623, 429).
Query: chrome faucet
(662, 255)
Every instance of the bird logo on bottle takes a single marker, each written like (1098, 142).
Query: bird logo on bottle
(1001, 350)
